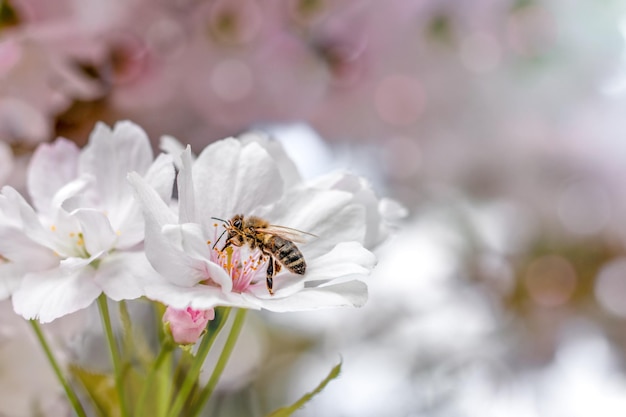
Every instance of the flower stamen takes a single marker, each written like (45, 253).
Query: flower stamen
(240, 264)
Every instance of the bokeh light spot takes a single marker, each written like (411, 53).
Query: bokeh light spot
(400, 99)
(610, 287)
(304, 11)
(236, 22)
(550, 280)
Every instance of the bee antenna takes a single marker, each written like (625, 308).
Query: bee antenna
(217, 218)
(218, 239)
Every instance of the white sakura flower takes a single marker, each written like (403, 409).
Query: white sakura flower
(85, 235)
(232, 177)
(18, 253)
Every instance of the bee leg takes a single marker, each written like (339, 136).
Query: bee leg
(269, 277)
(273, 268)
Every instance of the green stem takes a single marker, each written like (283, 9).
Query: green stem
(207, 391)
(166, 349)
(115, 354)
(165, 389)
(159, 311)
(127, 337)
(69, 391)
(221, 315)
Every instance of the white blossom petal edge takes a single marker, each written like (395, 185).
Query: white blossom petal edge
(234, 177)
(85, 235)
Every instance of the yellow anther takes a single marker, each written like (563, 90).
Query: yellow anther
(72, 234)
(53, 228)
(118, 232)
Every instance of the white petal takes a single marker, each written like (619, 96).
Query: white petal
(20, 249)
(165, 255)
(392, 210)
(375, 232)
(54, 293)
(110, 156)
(347, 258)
(200, 297)
(16, 211)
(122, 275)
(161, 176)
(364, 195)
(188, 238)
(11, 276)
(130, 231)
(378, 213)
(186, 196)
(328, 214)
(332, 180)
(127, 220)
(51, 167)
(63, 234)
(57, 237)
(288, 170)
(190, 242)
(97, 232)
(153, 206)
(171, 146)
(68, 196)
(170, 261)
(230, 178)
(345, 294)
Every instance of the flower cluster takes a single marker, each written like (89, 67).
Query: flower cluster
(83, 235)
(230, 178)
(100, 223)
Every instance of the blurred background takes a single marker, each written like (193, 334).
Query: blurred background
(499, 124)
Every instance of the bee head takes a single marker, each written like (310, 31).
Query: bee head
(237, 222)
(234, 230)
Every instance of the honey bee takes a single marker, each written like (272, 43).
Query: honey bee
(276, 243)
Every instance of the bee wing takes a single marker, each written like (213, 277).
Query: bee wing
(285, 232)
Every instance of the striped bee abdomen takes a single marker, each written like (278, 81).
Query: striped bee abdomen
(288, 254)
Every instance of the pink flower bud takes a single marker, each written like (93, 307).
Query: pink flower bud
(186, 326)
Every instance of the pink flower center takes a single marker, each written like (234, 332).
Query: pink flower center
(241, 263)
